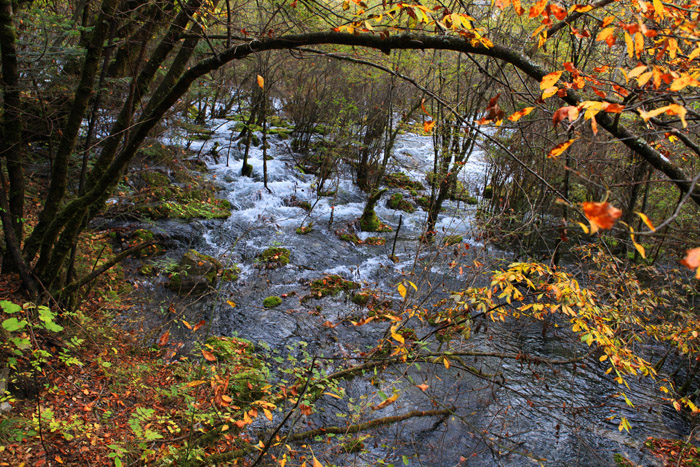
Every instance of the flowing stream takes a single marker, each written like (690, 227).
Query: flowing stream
(524, 414)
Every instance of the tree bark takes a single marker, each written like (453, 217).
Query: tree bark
(11, 148)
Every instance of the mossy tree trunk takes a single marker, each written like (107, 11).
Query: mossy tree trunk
(369, 222)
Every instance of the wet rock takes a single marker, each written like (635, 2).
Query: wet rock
(195, 274)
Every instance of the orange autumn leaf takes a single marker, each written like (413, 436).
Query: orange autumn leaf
(692, 261)
(601, 215)
(388, 401)
(537, 9)
(199, 325)
(261, 82)
(520, 114)
(208, 355)
(428, 126)
(164, 338)
(423, 387)
(558, 12)
(571, 112)
(560, 148)
(518, 7)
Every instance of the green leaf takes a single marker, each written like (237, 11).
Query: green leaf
(21, 343)
(13, 324)
(9, 307)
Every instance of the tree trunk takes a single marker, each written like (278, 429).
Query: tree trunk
(11, 144)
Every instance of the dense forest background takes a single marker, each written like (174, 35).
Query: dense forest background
(584, 115)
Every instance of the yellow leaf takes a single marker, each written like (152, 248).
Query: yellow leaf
(637, 71)
(261, 82)
(446, 362)
(677, 406)
(413, 285)
(231, 303)
(644, 78)
(520, 114)
(317, 463)
(640, 249)
(603, 357)
(336, 396)
(398, 337)
(550, 80)
(268, 414)
(658, 8)
(428, 126)
(549, 92)
(605, 34)
(680, 83)
(560, 148)
(583, 227)
(402, 290)
(694, 54)
(630, 45)
(192, 384)
(646, 220)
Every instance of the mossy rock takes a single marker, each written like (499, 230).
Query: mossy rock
(194, 209)
(361, 298)
(272, 302)
(401, 180)
(248, 373)
(331, 286)
(230, 274)
(349, 237)
(140, 236)
(397, 201)
(274, 257)
(374, 241)
(304, 229)
(305, 205)
(423, 201)
(488, 192)
(195, 274)
(450, 240)
(247, 170)
(254, 140)
(155, 179)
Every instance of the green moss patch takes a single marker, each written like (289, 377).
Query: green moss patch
(330, 286)
(304, 229)
(272, 302)
(397, 201)
(140, 236)
(401, 180)
(450, 240)
(274, 257)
